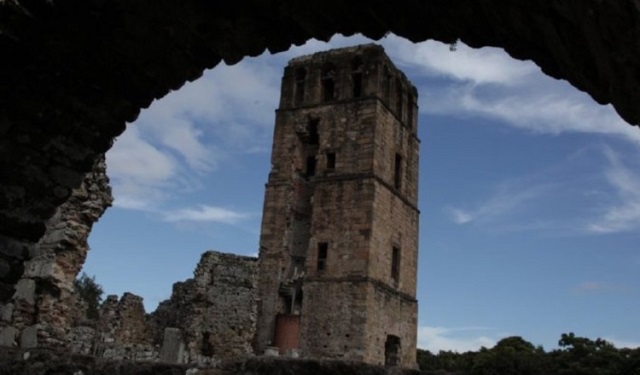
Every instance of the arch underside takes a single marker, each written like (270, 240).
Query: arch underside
(74, 72)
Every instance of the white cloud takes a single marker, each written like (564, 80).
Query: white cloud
(623, 212)
(487, 82)
(205, 214)
(478, 66)
(459, 340)
(187, 134)
(618, 343)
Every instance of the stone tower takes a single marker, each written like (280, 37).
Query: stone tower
(339, 240)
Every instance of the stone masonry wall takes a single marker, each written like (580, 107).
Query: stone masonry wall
(341, 203)
(216, 310)
(42, 309)
(208, 321)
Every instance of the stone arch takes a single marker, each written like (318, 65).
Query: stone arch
(76, 72)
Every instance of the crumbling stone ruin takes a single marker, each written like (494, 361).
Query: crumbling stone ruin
(336, 274)
(208, 321)
(339, 241)
(42, 309)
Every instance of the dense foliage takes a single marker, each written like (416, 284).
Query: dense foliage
(90, 292)
(516, 356)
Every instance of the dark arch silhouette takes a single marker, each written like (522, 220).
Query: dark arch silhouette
(74, 72)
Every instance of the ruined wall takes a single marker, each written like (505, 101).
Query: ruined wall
(216, 310)
(44, 305)
(121, 332)
(209, 319)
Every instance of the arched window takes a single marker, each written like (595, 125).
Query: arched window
(328, 82)
(301, 74)
(357, 69)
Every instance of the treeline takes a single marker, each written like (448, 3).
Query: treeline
(516, 356)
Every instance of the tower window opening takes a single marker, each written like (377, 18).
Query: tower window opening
(397, 172)
(301, 74)
(356, 77)
(386, 83)
(331, 160)
(312, 129)
(328, 83)
(395, 264)
(322, 256)
(357, 85)
(399, 106)
(207, 347)
(311, 166)
(410, 112)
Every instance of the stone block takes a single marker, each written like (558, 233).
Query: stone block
(172, 346)
(29, 337)
(25, 290)
(39, 268)
(6, 312)
(8, 336)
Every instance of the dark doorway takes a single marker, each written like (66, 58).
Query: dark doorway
(392, 351)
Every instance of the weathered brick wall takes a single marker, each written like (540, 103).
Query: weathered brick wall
(394, 225)
(334, 320)
(380, 324)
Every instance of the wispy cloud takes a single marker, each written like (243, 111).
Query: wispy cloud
(205, 214)
(460, 340)
(489, 83)
(599, 287)
(622, 212)
(508, 198)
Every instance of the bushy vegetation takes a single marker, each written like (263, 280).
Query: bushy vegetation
(516, 356)
(90, 292)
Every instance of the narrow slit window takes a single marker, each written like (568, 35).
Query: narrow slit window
(331, 160)
(410, 113)
(395, 264)
(399, 106)
(299, 86)
(386, 83)
(322, 256)
(311, 166)
(357, 85)
(312, 129)
(356, 77)
(328, 83)
(397, 172)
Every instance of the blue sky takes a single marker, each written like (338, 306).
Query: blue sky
(529, 194)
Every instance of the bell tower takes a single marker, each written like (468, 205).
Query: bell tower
(339, 238)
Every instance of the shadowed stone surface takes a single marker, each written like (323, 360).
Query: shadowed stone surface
(74, 72)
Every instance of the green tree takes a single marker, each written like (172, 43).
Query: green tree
(510, 356)
(583, 356)
(90, 292)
